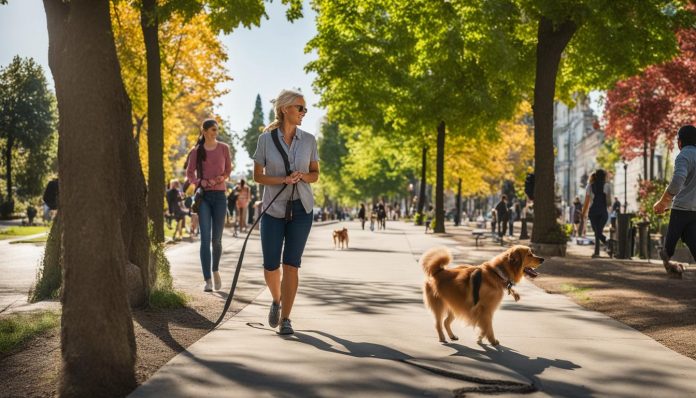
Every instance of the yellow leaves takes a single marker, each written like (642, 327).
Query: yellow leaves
(192, 66)
(483, 164)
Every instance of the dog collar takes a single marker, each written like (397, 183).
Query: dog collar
(508, 282)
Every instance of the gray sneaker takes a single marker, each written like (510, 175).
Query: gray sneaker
(286, 327)
(274, 315)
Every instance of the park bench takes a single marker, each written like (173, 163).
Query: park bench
(478, 235)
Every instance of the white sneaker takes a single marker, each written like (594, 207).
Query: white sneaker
(217, 280)
(208, 286)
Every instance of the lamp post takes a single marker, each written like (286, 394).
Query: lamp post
(625, 167)
(408, 202)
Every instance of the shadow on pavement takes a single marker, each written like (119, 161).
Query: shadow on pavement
(359, 296)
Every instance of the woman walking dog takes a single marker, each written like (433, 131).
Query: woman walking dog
(285, 155)
(208, 168)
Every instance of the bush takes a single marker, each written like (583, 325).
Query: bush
(163, 295)
(557, 235)
(649, 192)
(418, 218)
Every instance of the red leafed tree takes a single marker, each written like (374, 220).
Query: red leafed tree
(637, 113)
(681, 73)
(654, 104)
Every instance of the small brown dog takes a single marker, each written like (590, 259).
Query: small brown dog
(340, 238)
(473, 293)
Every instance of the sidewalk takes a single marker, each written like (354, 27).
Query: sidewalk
(362, 330)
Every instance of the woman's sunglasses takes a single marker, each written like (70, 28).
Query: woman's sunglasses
(301, 108)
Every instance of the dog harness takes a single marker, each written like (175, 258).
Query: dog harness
(508, 283)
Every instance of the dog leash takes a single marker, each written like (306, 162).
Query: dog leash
(508, 284)
(228, 302)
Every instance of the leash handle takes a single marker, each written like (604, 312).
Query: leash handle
(228, 302)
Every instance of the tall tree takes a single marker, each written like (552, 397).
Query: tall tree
(252, 133)
(27, 122)
(644, 108)
(568, 39)
(149, 17)
(415, 63)
(100, 176)
(223, 16)
(187, 46)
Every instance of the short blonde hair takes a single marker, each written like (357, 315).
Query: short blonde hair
(285, 98)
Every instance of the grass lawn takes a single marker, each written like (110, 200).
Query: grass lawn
(17, 232)
(16, 329)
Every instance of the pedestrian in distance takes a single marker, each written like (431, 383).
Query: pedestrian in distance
(243, 197)
(287, 222)
(503, 216)
(615, 211)
(232, 209)
(597, 199)
(177, 211)
(208, 168)
(429, 215)
(681, 193)
(577, 216)
(361, 215)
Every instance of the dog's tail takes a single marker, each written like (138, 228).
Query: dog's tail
(435, 259)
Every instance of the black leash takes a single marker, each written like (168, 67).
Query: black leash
(239, 262)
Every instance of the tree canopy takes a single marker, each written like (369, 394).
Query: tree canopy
(27, 129)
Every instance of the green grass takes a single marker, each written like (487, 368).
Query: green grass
(163, 294)
(166, 299)
(16, 232)
(17, 329)
(579, 293)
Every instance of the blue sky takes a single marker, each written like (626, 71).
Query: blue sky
(262, 60)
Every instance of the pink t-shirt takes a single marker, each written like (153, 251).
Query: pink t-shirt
(217, 163)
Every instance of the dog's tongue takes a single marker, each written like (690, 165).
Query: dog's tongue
(530, 272)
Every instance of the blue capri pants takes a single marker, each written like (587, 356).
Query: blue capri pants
(276, 231)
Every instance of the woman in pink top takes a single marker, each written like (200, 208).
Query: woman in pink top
(215, 169)
(243, 204)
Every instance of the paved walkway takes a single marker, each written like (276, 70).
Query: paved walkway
(362, 330)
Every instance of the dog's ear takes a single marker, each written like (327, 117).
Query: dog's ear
(515, 257)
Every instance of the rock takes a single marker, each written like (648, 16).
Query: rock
(134, 285)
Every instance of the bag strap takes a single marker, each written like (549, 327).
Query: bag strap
(284, 155)
(276, 141)
(199, 167)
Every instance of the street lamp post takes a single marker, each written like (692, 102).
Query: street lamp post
(625, 167)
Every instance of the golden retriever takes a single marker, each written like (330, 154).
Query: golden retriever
(340, 238)
(473, 293)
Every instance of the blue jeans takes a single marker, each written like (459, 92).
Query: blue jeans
(275, 231)
(211, 217)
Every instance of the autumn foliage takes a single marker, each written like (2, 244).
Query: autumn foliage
(651, 106)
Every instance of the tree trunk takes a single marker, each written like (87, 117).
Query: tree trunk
(96, 180)
(458, 216)
(551, 41)
(155, 120)
(8, 175)
(652, 163)
(440, 180)
(421, 195)
(645, 159)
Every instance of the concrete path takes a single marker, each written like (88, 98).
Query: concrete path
(362, 330)
(18, 265)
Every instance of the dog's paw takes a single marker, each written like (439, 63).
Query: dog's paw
(479, 340)
(495, 342)
(454, 338)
